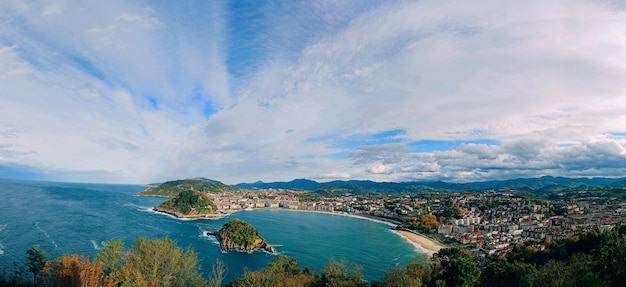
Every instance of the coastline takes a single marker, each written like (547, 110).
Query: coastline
(389, 222)
(421, 242)
(177, 215)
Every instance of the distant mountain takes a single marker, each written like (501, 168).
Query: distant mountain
(296, 184)
(173, 188)
(545, 184)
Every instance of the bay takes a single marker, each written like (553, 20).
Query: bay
(78, 218)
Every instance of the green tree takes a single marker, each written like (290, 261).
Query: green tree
(283, 271)
(517, 274)
(340, 273)
(111, 256)
(162, 263)
(462, 272)
(453, 211)
(397, 277)
(35, 261)
(456, 267)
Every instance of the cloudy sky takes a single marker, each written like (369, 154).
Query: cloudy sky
(240, 91)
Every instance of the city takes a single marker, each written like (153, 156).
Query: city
(489, 222)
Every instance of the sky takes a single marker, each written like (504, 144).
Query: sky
(241, 91)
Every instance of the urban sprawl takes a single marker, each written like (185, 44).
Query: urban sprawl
(490, 222)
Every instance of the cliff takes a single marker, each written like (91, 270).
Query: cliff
(189, 204)
(173, 188)
(242, 236)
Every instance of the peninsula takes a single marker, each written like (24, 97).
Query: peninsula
(241, 236)
(174, 187)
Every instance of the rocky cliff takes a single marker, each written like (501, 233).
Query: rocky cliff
(242, 236)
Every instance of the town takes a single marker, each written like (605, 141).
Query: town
(489, 222)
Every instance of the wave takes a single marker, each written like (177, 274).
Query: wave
(41, 230)
(3, 226)
(96, 246)
(210, 238)
(1, 248)
(45, 234)
(139, 207)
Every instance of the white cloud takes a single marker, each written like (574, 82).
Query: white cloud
(10, 64)
(126, 88)
(51, 9)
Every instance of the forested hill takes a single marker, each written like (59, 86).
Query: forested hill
(173, 188)
(188, 203)
(240, 235)
(542, 184)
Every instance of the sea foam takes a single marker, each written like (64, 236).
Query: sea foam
(419, 248)
(41, 230)
(96, 246)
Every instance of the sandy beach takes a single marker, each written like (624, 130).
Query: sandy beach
(421, 240)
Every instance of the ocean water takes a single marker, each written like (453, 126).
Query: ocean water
(67, 218)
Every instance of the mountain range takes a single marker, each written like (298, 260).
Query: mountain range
(545, 183)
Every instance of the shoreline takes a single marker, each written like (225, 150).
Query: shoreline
(419, 241)
(386, 221)
(175, 215)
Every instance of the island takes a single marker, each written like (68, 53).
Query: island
(241, 236)
(189, 204)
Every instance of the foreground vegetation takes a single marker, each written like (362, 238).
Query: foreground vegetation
(589, 259)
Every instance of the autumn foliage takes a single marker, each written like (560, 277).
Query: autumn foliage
(149, 262)
(73, 270)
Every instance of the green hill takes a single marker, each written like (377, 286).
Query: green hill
(173, 188)
(189, 203)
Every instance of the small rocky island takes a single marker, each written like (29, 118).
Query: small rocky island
(241, 236)
(189, 204)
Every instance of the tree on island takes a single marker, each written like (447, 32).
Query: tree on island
(189, 202)
(173, 188)
(240, 235)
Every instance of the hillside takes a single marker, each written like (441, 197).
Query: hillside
(173, 188)
(546, 184)
(242, 236)
(189, 204)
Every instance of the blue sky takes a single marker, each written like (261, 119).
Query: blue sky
(240, 91)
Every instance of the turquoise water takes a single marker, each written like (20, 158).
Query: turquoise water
(78, 218)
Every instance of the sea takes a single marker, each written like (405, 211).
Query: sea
(67, 218)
